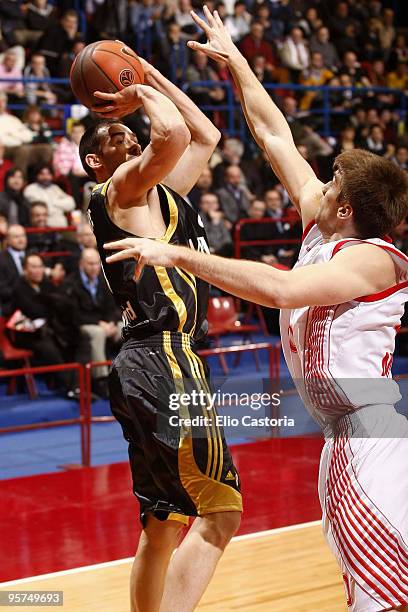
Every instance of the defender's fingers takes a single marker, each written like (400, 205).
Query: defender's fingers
(193, 44)
(217, 18)
(121, 255)
(139, 268)
(210, 19)
(102, 110)
(200, 22)
(118, 244)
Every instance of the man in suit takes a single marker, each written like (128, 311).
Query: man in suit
(233, 196)
(11, 266)
(97, 314)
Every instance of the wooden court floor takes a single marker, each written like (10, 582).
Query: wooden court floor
(281, 570)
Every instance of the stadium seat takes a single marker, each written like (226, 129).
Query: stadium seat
(12, 354)
(222, 319)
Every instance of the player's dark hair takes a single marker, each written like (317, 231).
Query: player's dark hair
(91, 143)
(375, 188)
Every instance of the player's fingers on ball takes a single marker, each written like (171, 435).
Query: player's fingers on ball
(104, 95)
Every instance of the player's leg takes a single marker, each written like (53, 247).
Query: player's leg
(156, 545)
(194, 563)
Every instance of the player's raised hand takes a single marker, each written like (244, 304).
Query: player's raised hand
(219, 45)
(146, 251)
(119, 104)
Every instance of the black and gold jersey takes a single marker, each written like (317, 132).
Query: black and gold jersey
(163, 299)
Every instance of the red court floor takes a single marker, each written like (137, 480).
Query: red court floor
(81, 517)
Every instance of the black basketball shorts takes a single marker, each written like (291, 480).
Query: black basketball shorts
(181, 465)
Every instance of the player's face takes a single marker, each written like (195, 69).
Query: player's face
(118, 145)
(326, 217)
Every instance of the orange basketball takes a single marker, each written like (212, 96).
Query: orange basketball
(106, 65)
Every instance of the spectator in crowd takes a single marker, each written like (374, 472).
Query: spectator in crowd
(38, 17)
(339, 21)
(199, 70)
(346, 140)
(10, 70)
(35, 122)
(320, 43)
(232, 151)
(219, 237)
(11, 20)
(315, 75)
(11, 266)
(173, 56)
(371, 43)
(5, 165)
(401, 157)
(238, 24)
(84, 239)
(352, 67)
(375, 141)
(256, 231)
(66, 161)
(283, 253)
(13, 204)
(38, 92)
(55, 339)
(44, 189)
(311, 22)
(97, 313)
(398, 79)
(41, 242)
(233, 197)
(263, 73)
(399, 51)
(295, 54)
(17, 139)
(58, 39)
(3, 230)
(254, 43)
(182, 17)
(387, 31)
(203, 185)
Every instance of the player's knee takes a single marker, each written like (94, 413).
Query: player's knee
(162, 534)
(220, 527)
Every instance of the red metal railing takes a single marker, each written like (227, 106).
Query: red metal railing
(80, 420)
(238, 243)
(274, 374)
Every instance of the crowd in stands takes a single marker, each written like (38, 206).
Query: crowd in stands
(51, 274)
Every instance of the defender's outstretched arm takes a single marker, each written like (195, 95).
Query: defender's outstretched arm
(266, 122)
(362, 270)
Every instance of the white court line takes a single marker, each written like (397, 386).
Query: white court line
(88, 568)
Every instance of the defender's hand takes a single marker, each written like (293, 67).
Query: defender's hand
(146, 251)
(119, 104)
(219, 45)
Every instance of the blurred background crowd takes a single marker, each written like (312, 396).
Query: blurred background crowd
(337, 69)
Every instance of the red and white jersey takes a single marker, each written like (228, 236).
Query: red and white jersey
(327, 348)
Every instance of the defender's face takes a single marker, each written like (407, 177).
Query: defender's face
(326, 217)
(118, 145)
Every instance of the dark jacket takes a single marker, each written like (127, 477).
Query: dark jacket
(50, 303)
(9, 276)
(90, 312)
(7, 198)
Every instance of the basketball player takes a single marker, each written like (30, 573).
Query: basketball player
(341, 306)
(175, 476)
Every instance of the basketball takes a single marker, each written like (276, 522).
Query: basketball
(105, 65)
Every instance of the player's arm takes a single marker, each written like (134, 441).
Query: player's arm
(169, 138)
(354, 272)
(204, 135)
(266, 122)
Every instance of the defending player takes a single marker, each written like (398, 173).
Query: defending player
(174, 475)
(341, 306)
